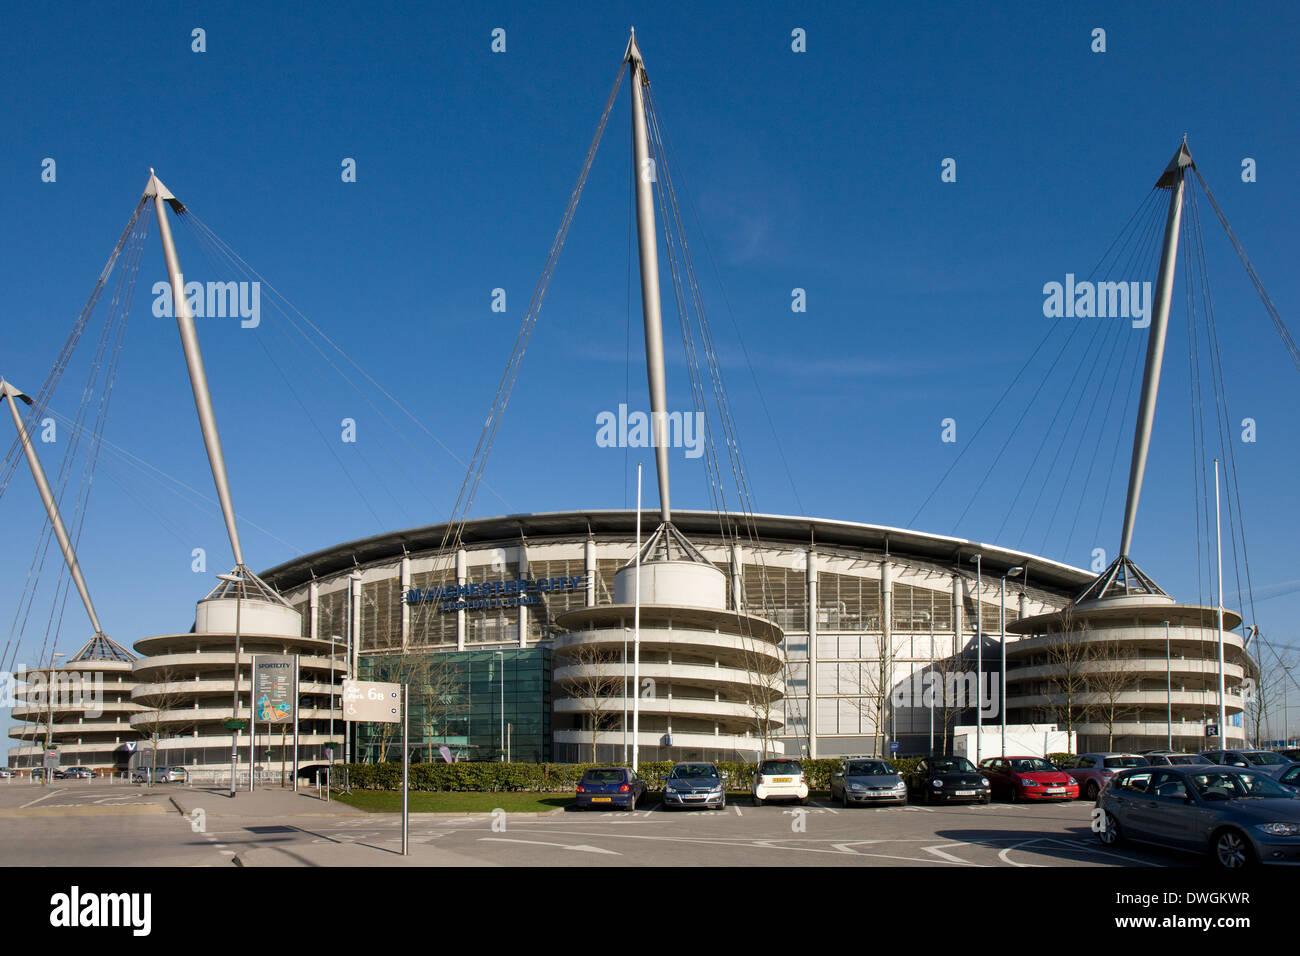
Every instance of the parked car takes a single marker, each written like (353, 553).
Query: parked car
(946, 779)
(1262, 760)
(5, 773)
(172, 775)
(1028, 778)
(1292, 753)
(1172, 758)
(694, 785)
(779, 779)
(141, 774)
(1094, 770)
(867, 781)
(78, 773)
(609, 787)
(1237, 817)
(1290, 777)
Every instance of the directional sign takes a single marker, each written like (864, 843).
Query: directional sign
(366, 700)
(1211, 730)
(51, 760)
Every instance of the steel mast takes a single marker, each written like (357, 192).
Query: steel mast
(162, 198)
(649, 258)
(51, 506)
(1171, 179)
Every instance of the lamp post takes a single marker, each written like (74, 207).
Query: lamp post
(502, 655)
(1169, 691)
(1002, 627)
(234, 694)
(49, 718)
(979, 653)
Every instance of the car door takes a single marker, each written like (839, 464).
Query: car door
(1168, 813)
(1129, 804)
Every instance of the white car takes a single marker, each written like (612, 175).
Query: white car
(780, 780)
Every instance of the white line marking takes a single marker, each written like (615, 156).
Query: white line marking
(582, 848)
(737, 809)
(944, 855)
(39, 799)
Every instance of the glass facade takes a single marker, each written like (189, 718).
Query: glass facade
(481, 705)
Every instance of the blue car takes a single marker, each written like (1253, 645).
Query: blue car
(1235, 817)
(609, 787)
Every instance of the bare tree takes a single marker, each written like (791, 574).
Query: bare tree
(1110, 674)
(766, 687)
(598, 685)
(1067, 655)
(155, 725)
(869, 682)
(947, 672)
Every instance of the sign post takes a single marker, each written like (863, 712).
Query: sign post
(376, 702)
(275, 699)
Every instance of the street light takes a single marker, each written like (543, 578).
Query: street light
(49, 722)
(1169, 691)
(979, 653)
(1002, 628)
(502, 655)
(238, 581)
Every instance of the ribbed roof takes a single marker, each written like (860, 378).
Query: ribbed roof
(102, 648)
(771, 530)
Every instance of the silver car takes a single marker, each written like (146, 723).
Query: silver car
(694, 785)
(867, 781)
(1236, 817)
(1264, 761)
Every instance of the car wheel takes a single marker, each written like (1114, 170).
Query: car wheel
(1015, 794)
(803, 801)
(1232, 851)
(631, 804)
(1092, 790)
(1109, 834)
(758, 801)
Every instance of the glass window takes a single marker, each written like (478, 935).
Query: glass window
(1169, 785)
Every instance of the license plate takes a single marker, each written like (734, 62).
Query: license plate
(781, 779)
(965, 793)
(1056, 790)
(601, 799)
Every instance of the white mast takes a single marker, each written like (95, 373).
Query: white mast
(51, 506)
(162, 197)
(636, 633)
(1218, 535)
(1171, 179)
(649, 256)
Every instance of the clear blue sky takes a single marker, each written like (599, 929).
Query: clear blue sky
(816, 170)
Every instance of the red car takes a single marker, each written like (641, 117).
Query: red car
(1028, 778)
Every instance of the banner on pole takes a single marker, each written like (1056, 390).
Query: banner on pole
(273, 684)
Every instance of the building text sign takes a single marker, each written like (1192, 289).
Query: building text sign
(492, 594)
(369, 700)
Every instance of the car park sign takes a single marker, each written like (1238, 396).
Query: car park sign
(365, 700)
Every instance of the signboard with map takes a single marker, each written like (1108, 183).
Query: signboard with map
(274, 677)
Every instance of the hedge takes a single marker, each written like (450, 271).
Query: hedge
(561, 777)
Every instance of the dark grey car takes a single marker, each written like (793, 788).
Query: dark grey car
(867, 781)
(694, 785)
(1262, 760)
(1237, 817)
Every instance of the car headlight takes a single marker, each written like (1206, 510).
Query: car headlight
(857, 786)
(1280, 829)
(717, 789)
(984, 781)
(901, 785)
(1073, 782)
(937, 783)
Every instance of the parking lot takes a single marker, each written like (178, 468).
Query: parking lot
(91, 823)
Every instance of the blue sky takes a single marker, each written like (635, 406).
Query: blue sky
(817, 170)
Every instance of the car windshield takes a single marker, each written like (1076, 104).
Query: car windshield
(780, 766)
(953, 765)
(1118, 762)
(867, 768)
(603, 776)
(1265, 759)
(1031, 765)
(1238, 785)
(689, 771)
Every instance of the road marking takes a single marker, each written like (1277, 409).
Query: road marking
(944, 855)
(737, 809)
(1015, 846)
(39, 799)
(582, 848)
